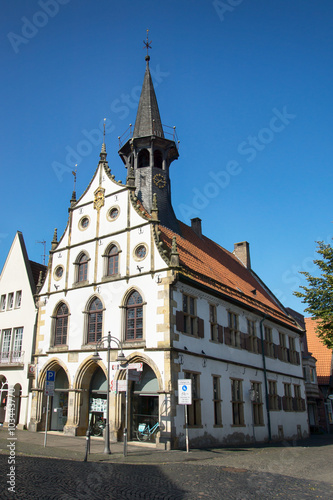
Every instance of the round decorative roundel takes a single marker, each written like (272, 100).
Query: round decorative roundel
(159, 181)
(59, 271)
(141, 252)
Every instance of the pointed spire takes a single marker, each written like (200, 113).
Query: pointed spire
(103, 153)
(148, 120)
(54, 242)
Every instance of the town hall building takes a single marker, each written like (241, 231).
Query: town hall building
(173, 300)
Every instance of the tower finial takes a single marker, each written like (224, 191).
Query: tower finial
(147, 45)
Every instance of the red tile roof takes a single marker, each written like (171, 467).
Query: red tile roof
(208, 263)
(322, 353)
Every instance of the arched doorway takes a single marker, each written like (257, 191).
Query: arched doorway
(97, 402)
(144, 400)
(59, 407)
(3, 396)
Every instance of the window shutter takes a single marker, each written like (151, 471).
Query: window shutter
(244, 341)
(279, 352)
(294, 404)
(288, 356)
(297, 358)
(275, 351)
(279, 399)
(303, 406)
(220, 333)
(284, 403)
(227, 336)
(201, 328)
(180, 321)
(259, 345)
(265, 347)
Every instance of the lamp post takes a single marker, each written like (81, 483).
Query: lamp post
(121, 358)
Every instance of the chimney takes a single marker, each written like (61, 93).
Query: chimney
(196, 226)
(242, 252)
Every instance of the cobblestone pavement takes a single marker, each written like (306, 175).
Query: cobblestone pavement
(299, 470)
(54, 479)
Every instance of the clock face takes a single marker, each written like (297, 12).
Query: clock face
(159, 181)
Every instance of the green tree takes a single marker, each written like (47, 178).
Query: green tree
(319, 294)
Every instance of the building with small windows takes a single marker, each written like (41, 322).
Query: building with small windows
(18, 315)
(173, 300)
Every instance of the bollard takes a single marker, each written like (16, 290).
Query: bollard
(87, 445)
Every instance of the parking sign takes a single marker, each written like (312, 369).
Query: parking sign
(185, 391)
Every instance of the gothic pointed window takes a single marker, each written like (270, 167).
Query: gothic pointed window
(83, 268)
(134, 317)
(95, 321)
(158, 159)
(61, 325)
(144, 158)
(113, 261)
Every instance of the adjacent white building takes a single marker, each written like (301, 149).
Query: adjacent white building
(173, 300)
(18, 316)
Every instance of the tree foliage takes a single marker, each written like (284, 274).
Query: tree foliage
(318, 294)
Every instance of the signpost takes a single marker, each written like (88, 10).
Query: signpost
(49, 391)
(185, 398)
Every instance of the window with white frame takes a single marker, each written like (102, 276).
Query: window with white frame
(10, 303)
(17, 345)
(6, 342)
(18, 299)
(3, 303)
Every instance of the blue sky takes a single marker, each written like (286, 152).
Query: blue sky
(248, 84)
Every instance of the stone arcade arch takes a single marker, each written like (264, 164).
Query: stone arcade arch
(81, 404)
(145, 400)
(59, 402)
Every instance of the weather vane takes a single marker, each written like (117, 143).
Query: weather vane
(147, 43)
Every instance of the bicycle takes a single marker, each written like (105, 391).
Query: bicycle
(144, 432)
(97, 428)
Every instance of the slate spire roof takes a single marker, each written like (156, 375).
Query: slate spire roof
(148, 120)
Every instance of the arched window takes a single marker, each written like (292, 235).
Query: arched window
(82, 268)
(144, 158)
(61, 325)
(158, 159)
(113, 258)
(95, 321)
(134, 317)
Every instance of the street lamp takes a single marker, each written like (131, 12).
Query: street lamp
(121, 358)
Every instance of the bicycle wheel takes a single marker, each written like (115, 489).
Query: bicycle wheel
(142, 436)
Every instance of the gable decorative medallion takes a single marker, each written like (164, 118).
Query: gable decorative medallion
(99, 198)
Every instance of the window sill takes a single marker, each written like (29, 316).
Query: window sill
(238, 425)
(114, 277)
(58, 348)
(77, 284)
(217, 426)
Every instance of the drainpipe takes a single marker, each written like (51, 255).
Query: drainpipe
(265, 377)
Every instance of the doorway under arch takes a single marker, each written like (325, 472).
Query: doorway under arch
(59, 407)
(144, 401)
